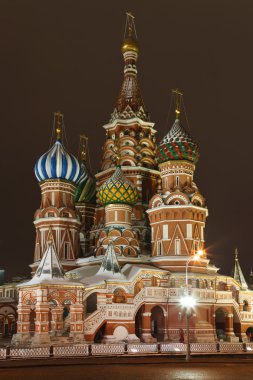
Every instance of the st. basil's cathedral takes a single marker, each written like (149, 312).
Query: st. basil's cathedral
(115, 253)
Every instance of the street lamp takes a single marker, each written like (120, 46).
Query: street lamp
(188, 302)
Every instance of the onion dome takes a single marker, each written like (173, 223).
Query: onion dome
(86, 189)
(177, 145)
(57, 163)
(117, 189)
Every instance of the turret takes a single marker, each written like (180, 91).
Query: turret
(58, 173)
(177, 214)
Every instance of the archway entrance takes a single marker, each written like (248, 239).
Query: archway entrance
(7, 321)
(32, 321)
(249, 333)
(66, 318)
(157, 323)
(138, 323)
(220, 324)
(100, 333)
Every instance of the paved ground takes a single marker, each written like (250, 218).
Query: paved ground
(147, 368)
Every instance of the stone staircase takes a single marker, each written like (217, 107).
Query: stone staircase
(61, 341)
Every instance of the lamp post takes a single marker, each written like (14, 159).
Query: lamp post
(188, 302)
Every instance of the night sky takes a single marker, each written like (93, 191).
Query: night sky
(65, 55)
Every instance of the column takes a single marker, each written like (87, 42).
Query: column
(76, 323)
(146, 326)
(229, 329)
(57, 321)
(41, 335)
(165, 336)
(23, 325)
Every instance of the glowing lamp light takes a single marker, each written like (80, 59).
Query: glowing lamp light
(188, 302)
(198, 254)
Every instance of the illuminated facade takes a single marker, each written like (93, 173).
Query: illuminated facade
(111, 253)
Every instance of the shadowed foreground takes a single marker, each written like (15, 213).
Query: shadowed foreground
(131, 369)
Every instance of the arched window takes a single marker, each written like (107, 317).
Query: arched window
(245, 305)
(119, 296)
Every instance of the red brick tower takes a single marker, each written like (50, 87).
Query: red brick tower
(177, 215)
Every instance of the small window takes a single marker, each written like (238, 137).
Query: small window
(196, 245)
(37, 252)
(159, 248)
(189, 231)
(65, 215)
(50, 214)
(177, 203)
(177, 247)
(177, 180)
(66, 251)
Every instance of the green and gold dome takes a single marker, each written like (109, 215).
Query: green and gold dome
(117, 190)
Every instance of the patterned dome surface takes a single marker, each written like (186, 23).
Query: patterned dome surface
(57, 163)
(86, 189)
(177, 145)
(117, 189)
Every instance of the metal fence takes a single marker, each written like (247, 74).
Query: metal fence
(85, 350)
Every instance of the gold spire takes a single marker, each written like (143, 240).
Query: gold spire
(58, 123)
(130, 38)
(236, 254)
(83, 142)
(178, 100)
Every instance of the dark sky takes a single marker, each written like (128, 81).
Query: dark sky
(65, 55)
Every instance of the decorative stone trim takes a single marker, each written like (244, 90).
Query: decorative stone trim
(172, 347)
(34, 352)
(203, 347)
(231, 347)
(107, 349)
(141, 348)
(66, 351)
(2, 353)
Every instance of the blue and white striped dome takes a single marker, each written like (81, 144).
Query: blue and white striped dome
(57, 163)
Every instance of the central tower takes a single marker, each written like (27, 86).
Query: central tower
(131, 135)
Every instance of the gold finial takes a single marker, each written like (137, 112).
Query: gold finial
(130, 38)
(58, 123)
(236, 254)
(83, 141)
(178, 100)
